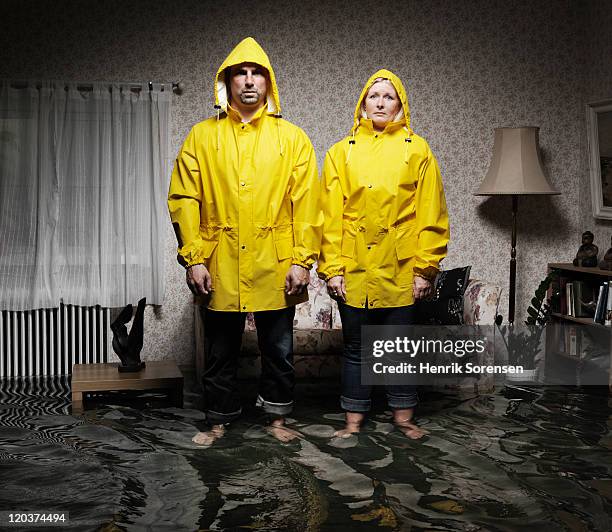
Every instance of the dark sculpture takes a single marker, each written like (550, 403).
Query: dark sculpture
(587, 252)
(126, 346)
(606, 263)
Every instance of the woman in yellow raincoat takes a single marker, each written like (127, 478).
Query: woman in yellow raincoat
(385, 233)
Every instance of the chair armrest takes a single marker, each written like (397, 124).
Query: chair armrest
(480, 302)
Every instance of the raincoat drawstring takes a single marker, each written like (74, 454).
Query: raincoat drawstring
(280, 144)
(351, 143)
(407, 141)
(218, 108)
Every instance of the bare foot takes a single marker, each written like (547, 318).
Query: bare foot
(350, 428)
(410, 430)
(208, 438)
(353, 425)
(403, 421)
(281, 432)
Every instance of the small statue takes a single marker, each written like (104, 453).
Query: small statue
(587, 252)
(128, 347)
(606, 263)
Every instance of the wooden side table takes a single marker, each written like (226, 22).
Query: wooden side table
(158, 374)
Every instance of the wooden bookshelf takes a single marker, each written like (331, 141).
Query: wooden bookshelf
(558, 350)
(576, 319)
(569, 267)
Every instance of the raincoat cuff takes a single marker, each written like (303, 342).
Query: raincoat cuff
(302, 264)
(328, 274)
(429, 272)
(192, 254)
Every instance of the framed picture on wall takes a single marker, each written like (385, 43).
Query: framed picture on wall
(599, 134)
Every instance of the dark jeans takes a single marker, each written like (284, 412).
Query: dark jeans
(222, 341)
(356, 396)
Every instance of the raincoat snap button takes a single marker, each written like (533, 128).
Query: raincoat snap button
(242, 183)
(243, 247)
(242, 127)
(369, 186)
(369, 247)
(243, 308)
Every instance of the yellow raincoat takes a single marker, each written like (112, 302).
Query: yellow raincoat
(244, 198)
(384, 209)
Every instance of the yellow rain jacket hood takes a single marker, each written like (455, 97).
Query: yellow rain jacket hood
(384, 209)
(247, 51)
(244, 198)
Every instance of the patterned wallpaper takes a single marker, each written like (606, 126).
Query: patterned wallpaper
(469, 67)
(598, 42)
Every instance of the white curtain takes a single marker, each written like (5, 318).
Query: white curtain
(83, 179)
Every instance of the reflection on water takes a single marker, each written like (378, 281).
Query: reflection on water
(515, 460)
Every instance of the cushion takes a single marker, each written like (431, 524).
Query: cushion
(446, 305)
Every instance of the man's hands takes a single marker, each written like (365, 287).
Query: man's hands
(297, 280)
(421, 288)
(199, 280)
(336, 288)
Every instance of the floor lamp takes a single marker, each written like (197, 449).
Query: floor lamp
(515, 170)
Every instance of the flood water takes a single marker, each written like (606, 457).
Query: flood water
(514, 460)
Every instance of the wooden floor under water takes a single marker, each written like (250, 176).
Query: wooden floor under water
(537, 459)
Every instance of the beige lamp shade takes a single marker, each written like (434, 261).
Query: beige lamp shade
(516, 167)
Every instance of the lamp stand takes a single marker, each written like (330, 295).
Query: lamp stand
(512, 295)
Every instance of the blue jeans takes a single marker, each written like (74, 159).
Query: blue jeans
(222, 342)
(356, 396)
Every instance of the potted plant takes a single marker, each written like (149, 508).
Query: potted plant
(523, 344)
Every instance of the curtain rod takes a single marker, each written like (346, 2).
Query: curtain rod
(177, 86)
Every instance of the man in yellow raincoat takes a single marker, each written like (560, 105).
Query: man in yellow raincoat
(385, 232)
(244, 203)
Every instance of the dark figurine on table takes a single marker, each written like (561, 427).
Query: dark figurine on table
(126, 346)
(587, 252)
(606, 263)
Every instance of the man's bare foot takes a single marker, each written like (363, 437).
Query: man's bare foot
(208, 437)
(281, 432)
(353, 425)
(403, 421)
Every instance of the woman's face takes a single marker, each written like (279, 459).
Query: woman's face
(382, 103)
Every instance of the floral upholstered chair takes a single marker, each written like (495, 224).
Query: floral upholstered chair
(318, 337)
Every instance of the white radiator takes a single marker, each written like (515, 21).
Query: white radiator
(47, 342)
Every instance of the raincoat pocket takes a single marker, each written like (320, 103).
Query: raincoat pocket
(284, 248)
(208, 246)
(405, 247)
(283, 242)
(348, 246)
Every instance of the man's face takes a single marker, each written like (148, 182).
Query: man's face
(382, 103)
(248, 84)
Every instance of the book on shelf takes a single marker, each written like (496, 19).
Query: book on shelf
(573, 341)
(585, 298)
(608, 318)
(601, 303)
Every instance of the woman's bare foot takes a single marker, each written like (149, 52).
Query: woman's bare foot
(208, 437)
(281, 432)
(353, 425)
(403, 421)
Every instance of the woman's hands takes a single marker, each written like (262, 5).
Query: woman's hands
(421, 288)
(336, 288)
